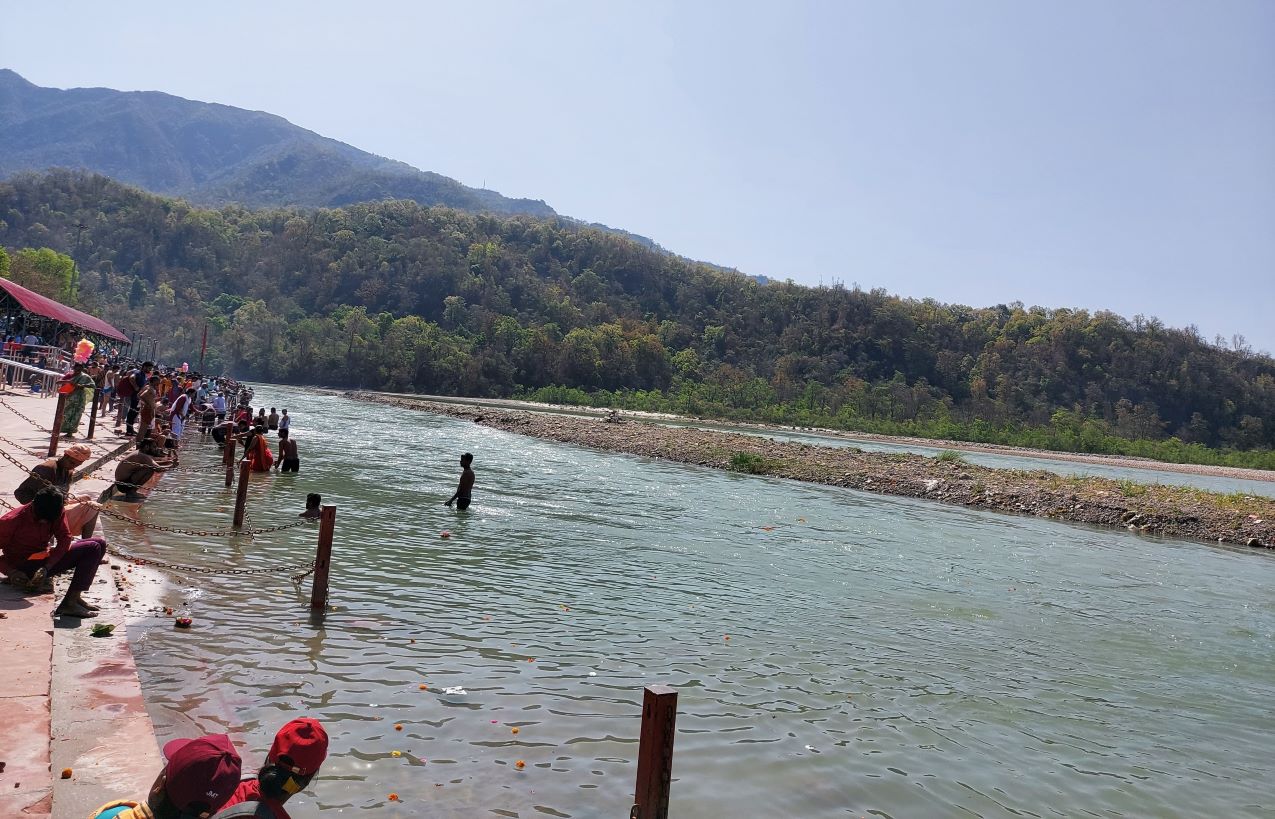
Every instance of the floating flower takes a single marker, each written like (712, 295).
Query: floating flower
(182, 622)
(726, 637)
(445, 534)
(393, 797)
(66, 773)
(520, 764)
(513, 730)
(396, 754)
(398, 726)
(424, 687)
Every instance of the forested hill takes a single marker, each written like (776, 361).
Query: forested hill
(210, 153)
(398, 296)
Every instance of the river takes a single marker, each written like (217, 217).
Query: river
(836, 653)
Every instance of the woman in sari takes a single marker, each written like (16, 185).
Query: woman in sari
(258, 453)
(81, 393)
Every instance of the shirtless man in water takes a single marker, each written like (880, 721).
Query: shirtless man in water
(466, 485)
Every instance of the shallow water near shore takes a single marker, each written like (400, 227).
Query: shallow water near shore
(886, 656)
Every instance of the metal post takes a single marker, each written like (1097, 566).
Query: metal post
(97, 396)
(57, 424)
(655, 753)
(228, 458)
(323, 559)
(241, 493)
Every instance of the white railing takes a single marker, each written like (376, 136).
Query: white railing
(11, 376)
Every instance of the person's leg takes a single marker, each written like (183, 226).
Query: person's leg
(462, 503)
(81, 518)
(82, 559)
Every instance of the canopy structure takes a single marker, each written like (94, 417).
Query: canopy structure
(33, 302)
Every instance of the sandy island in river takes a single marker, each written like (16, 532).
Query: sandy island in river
(1122, 461)
(1170, 511)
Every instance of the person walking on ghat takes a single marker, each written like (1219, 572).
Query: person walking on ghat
(465, 488)
(80, 393)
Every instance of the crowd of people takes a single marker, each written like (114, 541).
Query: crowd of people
(53, 532)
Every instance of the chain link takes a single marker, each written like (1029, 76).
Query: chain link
(177, 530)
(177, 567)
(16, 412)
(35, 453)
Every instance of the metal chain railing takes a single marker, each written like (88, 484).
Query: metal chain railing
(178, 530)
(160, 527)
(18, 413)
(305, 568)
(35, 453)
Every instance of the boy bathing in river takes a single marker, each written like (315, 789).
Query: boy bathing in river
(466, 485)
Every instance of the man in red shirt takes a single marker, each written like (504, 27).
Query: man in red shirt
(25, 533)
(298, 750)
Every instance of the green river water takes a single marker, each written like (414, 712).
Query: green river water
(886, 656)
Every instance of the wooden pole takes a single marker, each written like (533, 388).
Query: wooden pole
(241, 492)
(97, 395)
(323, 559)
(655, 753)
(228, 458)
(57, 424)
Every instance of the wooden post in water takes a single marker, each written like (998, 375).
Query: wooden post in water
(323, 559)
(655, 753)
(57, 424)
(241, 492)
(97, 395)
(228, 458)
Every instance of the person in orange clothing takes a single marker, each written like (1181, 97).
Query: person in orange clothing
(295, 756)
(257, 451)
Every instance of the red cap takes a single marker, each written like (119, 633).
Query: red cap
(304, 742)
(202, 771)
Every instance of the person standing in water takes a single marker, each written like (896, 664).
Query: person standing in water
(466, 485)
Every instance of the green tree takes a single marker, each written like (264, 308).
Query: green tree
(45, 271)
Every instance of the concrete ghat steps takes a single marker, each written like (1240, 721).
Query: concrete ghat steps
(67, 700)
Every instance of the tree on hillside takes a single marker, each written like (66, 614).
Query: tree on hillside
(45, 271)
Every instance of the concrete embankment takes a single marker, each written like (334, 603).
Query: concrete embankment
(1169, 511)
(68, 701)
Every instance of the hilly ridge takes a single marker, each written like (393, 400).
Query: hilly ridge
(394, 295)
(210, 153)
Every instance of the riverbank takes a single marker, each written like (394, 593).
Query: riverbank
(1119, 461)
(68, 701)
(1169, 511)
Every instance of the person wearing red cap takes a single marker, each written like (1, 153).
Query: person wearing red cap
(295, 757)
(201, 775)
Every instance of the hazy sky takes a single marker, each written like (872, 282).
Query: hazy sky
(1106, 155)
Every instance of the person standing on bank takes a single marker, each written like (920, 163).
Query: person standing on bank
(80, 393)
(465, 488)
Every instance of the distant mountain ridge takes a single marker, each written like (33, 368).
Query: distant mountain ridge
(212, 154)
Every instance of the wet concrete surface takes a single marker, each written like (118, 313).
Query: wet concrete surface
(67, 699)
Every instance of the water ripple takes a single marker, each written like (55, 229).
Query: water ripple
(834, 652)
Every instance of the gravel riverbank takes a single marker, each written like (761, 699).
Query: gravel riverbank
(1170, 511)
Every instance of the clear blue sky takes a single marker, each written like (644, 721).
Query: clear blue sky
(1106, 155)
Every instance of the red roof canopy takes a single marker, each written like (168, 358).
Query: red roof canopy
(43, 306)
